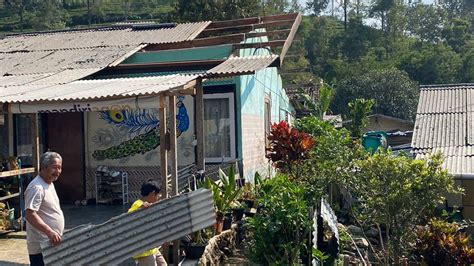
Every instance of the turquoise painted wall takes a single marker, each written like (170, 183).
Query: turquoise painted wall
(201, 53)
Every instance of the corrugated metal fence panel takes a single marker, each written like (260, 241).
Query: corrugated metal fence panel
(132, 233)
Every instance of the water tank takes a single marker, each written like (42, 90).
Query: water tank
(375, 139)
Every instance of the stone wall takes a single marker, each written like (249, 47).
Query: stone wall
(219, 247)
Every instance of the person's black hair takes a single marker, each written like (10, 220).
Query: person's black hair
(150, 186)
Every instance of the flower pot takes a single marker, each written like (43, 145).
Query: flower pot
(249, 203)
(218, 226)
(238, 214)
(227, 222)
(195, 252)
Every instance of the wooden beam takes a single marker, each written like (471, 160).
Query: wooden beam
(267, 33)
(202, 42)
(35, 142)
(275, 43)
(11, 140)
(173, 163)
(173, 150)
(245, 28)
(244, 21)
(290, 38)
(200, 157)
(163, 151)
(213, 62)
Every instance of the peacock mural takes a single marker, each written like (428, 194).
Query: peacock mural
(134, 132)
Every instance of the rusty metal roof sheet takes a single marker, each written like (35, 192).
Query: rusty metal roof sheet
(445, 123)
(132, 233)
(242, 65)
(94, 89)
(87, 38)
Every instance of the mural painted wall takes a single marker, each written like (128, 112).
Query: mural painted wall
(131, 137)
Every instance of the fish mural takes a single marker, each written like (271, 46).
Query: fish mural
(143, 127)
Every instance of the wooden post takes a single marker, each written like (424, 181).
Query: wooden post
(200, 126)
(174, 165)
(35, 142)
(163, 151)
(11, 143)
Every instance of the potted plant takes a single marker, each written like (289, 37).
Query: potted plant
(224, 193)
(198, 243)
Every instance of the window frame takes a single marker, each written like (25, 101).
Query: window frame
(232, 129)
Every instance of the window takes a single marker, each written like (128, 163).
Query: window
(267, 119)
(219, 127)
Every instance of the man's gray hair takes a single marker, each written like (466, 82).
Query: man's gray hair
(46, 158)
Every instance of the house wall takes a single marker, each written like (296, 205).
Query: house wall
(387, 125)
(253, 90)
(125, 140)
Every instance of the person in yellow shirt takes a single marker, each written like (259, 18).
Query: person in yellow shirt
(150, 192)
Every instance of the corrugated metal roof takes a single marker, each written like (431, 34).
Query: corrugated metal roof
(242, 65)
(56, 61)
(457, 160)
(108, 37)
(132, 233)
(93, 89)
(445, 123)
(62, 77)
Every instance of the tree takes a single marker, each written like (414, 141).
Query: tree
(394, 93)
(435, 64)
(457, 33)
(359, 109)
(317, 6)
(201, 10)
(49, 15)
(398, 193)
(426, 22)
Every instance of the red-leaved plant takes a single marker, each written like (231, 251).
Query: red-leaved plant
(288, 147)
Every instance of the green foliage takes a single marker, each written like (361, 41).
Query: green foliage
(225, 192)
(288, 147)
(436, 64)
(443, 243)
(329, 161)
(398, 192)
(393, 92)
(201, 10)
(358, 112)
(280, 230)
(319, 255)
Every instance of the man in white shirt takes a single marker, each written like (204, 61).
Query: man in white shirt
(45, 219)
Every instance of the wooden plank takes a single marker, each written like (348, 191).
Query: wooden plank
(17, 172)
(267, 33)
(173, 149)
(246, 28)
(276, 43)
(200, 126)
(35, 145)
(290, 38)
(173, 163)
(9, 196)
(176, 64)
(244, 21)
(202, 42)
(11, 143)
(163, 151)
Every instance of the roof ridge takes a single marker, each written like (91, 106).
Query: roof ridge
(446, 86)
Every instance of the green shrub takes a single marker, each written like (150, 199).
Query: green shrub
(280, 229)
